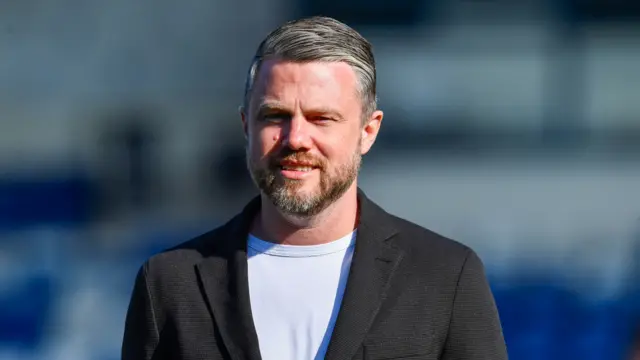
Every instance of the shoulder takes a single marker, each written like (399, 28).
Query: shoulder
(416, 242)
(427, 250)
(424, 251)
(414, 237)
(183, 258)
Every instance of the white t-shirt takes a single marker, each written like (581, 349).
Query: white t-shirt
(295, 293)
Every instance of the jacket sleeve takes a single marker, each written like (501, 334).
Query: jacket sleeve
(141, 333)
(474, 331)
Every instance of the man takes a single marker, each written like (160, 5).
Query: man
(313, 269)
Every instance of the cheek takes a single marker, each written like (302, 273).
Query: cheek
(341, 152)
(264, 141)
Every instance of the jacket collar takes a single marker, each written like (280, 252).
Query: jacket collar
(224, 275)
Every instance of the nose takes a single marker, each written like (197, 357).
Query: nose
(297, 135)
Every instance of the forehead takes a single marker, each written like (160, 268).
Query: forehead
(308, 83)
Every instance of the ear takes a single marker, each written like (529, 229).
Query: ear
(370, 131)
(244, 119)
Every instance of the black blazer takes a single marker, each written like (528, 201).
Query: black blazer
(411, 294)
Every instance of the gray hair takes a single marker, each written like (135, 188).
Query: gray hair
(319, 38)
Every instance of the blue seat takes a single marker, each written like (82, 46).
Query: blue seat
(586, 332)
(532, 345)
(25, 311)
(27, 201)
(545, 321)
(528, 308)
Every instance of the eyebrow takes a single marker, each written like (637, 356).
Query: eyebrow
(270, 106)
(273, 106)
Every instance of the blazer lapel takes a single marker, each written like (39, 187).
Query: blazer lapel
(374, 262)
(224, 278)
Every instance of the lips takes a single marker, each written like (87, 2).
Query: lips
(296, 169)
(297, 166)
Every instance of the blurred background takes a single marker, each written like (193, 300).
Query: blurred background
(511, 126)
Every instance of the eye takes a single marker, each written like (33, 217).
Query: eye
(321, 119)
(274, 118)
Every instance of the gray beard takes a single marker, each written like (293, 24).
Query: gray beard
(283, 194)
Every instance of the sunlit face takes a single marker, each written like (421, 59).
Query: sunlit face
(305, 134)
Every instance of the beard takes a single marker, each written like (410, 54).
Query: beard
(286, 194)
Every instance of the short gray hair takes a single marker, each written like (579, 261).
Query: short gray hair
(319, 38)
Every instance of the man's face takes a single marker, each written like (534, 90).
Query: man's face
(305, 135)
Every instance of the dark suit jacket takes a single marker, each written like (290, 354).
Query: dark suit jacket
(411, 294)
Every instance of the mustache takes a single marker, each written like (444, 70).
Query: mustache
(292, 156)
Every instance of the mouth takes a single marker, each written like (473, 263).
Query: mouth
(296, 171)
(302, 168)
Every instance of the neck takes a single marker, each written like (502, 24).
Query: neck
(334, 222)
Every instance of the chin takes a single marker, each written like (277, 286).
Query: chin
(301, 184)
(302, 191)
